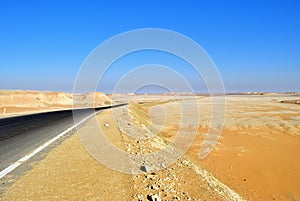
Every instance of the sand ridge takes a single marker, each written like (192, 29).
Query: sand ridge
(18, 102)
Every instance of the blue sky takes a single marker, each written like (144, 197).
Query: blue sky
(254, 44)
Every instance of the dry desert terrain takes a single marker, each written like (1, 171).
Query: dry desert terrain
(17, 102)
(256, 157)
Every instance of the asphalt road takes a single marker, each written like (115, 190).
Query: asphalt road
(20, 135)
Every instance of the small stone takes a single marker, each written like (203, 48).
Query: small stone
(149, 177)
(176, 198)
(153, 197)
(146, 168)
(140, 197)
(152, 187)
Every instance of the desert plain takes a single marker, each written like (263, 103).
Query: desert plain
(255, 158)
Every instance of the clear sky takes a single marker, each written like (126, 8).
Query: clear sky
(254, 44)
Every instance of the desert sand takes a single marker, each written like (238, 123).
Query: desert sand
(256, 158)
(258, 152)
(69, 172)
(17, 102)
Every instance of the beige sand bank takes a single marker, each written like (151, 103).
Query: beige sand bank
(16, 102)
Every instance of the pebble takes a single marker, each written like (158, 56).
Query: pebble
(140, 197)
(146, 168)
(152, 187)
(176, 197)
(153, 197)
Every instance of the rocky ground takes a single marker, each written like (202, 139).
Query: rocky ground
(181, 180)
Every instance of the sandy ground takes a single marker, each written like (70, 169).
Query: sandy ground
(257, 157)
(69, 172)
(258, 153)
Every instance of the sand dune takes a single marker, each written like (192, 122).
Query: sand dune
(17, 102)
(34, 98)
